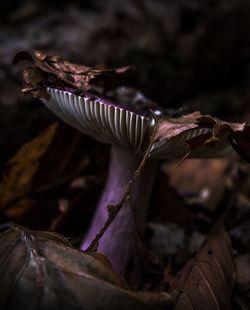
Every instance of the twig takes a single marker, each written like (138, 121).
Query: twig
(113, 210)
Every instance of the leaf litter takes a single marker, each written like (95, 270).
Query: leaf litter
(50, 272)
(54, 71)
(211, 270)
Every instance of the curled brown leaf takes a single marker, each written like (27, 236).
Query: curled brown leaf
(206, 282)
(54, 71)
(197, 131)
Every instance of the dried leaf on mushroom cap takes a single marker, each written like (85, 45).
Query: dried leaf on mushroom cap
(63, 88)
(58, 72)
(198, 136)
(52, 71)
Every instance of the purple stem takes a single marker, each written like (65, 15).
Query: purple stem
(120, 243)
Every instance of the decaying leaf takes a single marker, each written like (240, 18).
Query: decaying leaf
(196, 182)
(196, 132)
(206, 282)
(20, 170)
(31, 180)
(54, 71)
(34, 82)
(170, 127)
(41, 270)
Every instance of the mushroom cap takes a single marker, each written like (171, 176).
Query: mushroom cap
(100, 119)
(121, 126)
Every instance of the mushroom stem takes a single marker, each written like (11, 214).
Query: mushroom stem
(120, 241)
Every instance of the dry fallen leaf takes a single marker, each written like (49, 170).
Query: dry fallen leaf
(195, 180)
(41, 270)
(200, 136)
(206, 282)
(21, 169)
(171, 127)
(54, 71)
(31, 180)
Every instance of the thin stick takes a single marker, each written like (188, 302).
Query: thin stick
(113, 210)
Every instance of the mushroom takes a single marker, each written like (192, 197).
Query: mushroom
(128, 131)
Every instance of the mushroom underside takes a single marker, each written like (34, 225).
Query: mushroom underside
(128, 133)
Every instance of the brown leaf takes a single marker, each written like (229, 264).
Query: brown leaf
(41, 270)
(207, 131)
(206, 282)
(54, 71)
(219, 125)
(34, 82)
(196, 182)
(21, 169)
(171, 127)
(33, 182)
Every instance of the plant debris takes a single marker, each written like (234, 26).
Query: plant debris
(207, 280)
(53, 71)
(218, 133)
(52, 274)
